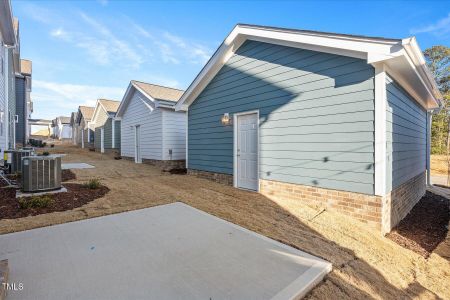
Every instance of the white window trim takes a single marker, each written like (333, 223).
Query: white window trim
(136, 160)
(235, 129)
(380, 130)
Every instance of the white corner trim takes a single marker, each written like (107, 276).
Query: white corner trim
(380, 130)
(428, 158)
(187, 140)
(113, 124)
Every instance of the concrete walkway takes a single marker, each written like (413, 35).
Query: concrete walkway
(166, 252)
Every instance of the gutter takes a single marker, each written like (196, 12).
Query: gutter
(415, 54)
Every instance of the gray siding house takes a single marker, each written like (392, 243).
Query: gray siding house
(105, 127)
(24, 104)
(332, 120)
(85, 134)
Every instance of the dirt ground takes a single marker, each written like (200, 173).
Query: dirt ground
(439, 165)
(365, 264)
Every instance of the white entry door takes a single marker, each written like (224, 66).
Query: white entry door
(137, 144)
(247, 151)
(82, 138)
(102, 140)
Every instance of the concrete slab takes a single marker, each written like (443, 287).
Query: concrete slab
(171, 251)
(68, 166)
(20, 194)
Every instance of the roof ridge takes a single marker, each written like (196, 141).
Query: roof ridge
(315, 32)
(164, 86)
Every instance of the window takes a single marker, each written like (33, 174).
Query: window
(2, 66)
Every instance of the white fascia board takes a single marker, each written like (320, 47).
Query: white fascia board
(357, 47)
(123, 104)
(96, 111)
(380, 129)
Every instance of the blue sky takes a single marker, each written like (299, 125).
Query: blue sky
(84, 50)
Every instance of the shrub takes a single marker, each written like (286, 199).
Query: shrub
(35, 202)
(92, 184)
(45, 153)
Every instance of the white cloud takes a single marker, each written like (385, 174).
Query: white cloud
(195, 52)
(103, 2)
(441, 27)
(60, 33)
(67, 97)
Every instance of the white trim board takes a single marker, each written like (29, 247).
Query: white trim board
(403, 56)
(380, 130)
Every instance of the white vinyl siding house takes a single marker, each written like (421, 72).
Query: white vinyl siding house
(140, 113)
(151, 130)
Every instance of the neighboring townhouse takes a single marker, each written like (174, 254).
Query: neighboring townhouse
(338, 121)
(62, 130)
(8, 68)
(106, 128)
(74, 126)
(24, 104)
(85, 135)
(151, 130)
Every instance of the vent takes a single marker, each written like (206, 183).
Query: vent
(41, 173)
(13, 159)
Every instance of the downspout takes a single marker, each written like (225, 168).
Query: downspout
(430, 114)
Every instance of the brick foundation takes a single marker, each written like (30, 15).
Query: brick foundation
(365, 208)
(217, 177)
(382, 213)
(400, 201)
(165, 165)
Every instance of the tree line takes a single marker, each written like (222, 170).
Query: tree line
(438, 61)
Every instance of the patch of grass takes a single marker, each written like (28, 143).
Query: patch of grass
(35, 202)
(92, 184)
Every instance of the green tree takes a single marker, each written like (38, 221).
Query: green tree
(438, 61)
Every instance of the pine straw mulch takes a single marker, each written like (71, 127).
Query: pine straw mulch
(425, 227)
(68, 175)
(77, 195)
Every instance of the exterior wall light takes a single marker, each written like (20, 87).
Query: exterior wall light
(226, 120)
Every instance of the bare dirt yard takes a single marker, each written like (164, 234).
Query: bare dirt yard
(439, 165)
(365, 264)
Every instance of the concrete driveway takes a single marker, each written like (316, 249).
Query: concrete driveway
(171, 251)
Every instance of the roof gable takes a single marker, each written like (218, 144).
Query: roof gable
(402, 58)
(155, 96)
(85, 112)
(109, 107)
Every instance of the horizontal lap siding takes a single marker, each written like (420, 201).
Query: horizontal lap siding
(108, 134)
(117, 134)
(316, 116)
(100, 122)
(137, 113)
(406, 135)
(174, 133)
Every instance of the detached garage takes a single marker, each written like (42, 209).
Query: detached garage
(338, 121)
(106, 127)
(151, 130)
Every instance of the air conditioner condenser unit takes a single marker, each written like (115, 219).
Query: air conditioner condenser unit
(13, 159)
(41, 173)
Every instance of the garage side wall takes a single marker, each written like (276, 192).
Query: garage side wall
(406, 149)
(174, 127)
(316, 117)
(150, 121)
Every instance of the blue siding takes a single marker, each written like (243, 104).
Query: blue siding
(406, 130)
(20, 110)
(117, 134)
(316, 116)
